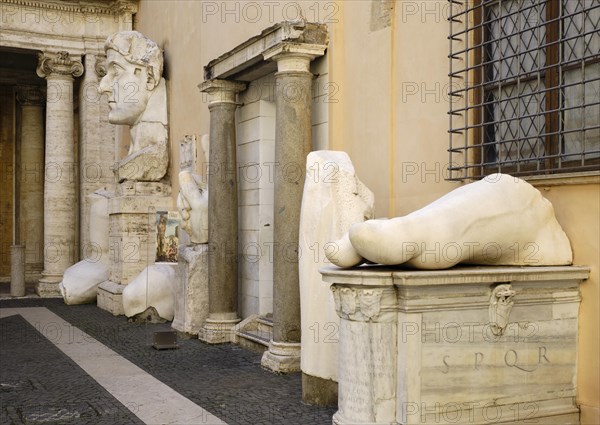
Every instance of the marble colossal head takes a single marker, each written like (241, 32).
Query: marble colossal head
(137, 97)
(134, 66)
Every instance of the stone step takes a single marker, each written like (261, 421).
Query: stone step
(254, 333)
(265, 324)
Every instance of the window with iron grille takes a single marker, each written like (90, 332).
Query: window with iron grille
(525, 87)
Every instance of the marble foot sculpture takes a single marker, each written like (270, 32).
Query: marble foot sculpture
(500, 220)
(153, 287)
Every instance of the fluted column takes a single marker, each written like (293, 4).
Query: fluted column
(60, 214)
(32, 100)
(222, 213)
(293, 140)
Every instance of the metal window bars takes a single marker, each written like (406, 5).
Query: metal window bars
(524, 87)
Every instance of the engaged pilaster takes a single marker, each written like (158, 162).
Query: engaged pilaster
(60, 216)
(293, 140)
(32, 100)
(222, 212)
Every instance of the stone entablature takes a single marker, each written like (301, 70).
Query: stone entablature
(247, 61)
(76, 26)
(425, 346)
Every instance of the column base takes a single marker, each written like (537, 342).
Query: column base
(110, 297)
(47, 286)
(282, 357)
(217, 331)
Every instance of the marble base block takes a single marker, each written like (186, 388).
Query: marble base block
(17, 271)
(132, 236)
(110, 297)
(191, 292)
(282, 357)
(463, 345)
(218, 331)
(48, 287)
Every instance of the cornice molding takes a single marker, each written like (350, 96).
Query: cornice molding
(114, 7)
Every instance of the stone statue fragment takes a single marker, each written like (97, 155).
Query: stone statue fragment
(81, 280)
(192, 203)
(153, 287)
(137, 97)
(500, 220)
(333, 199)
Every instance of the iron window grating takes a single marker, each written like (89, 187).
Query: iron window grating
(524, 87)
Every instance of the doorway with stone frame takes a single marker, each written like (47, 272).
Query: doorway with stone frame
(22, 117)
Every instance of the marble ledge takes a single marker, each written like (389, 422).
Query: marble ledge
(376, 275)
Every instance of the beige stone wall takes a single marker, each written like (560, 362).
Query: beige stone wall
(387, 105)
(577, 209)
(192, 33)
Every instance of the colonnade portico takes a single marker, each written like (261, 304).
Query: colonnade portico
(60, 195)
(79, 142)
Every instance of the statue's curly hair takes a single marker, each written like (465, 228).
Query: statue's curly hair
(137, 49)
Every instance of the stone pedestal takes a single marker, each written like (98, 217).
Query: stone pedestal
(132, 237)
(191, 293)
(17, 271)
(222, 213)
(464, 345)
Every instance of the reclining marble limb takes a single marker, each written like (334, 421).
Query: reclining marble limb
(500, 220)
(81, 280)
(137, 98)
(192, 203)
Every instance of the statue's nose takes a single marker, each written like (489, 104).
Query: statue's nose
(103, 87)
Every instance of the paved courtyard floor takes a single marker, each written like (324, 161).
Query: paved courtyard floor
(64, 364)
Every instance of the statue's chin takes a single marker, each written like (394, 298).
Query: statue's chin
(120, 117)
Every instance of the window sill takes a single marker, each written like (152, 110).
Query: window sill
(589, 177)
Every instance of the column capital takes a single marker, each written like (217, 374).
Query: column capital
(59, 64)
(221, 91)
(100, 66)
(294, 57)
(31, 95)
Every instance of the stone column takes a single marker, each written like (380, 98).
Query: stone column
(293, 140)
(60, 196)
(96, 144)
(222, 213)
(31, 176)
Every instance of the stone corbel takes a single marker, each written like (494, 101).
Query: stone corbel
(100, 66)
(124, 7)
(501, 303)
(364, 304)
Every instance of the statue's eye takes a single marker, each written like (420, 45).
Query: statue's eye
(116, 69)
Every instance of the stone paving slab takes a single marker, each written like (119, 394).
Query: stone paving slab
(41, 385)
(226, 380)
